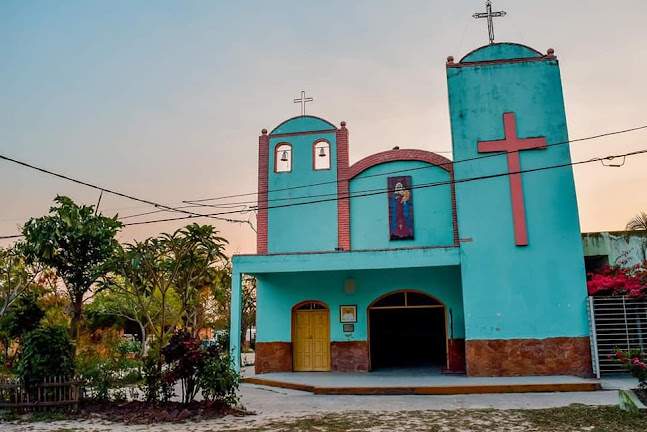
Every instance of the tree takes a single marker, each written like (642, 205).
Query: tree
(23, 316)
(248, 306)
(159, 272)
(16, 277)
(222, 293)
(113, 304)
(638, 222)
(143, 273)
(77, 243)
(197, 249)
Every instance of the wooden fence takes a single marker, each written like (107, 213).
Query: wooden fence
(52, 393)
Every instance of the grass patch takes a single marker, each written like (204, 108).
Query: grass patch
(575, 418)
(586, 418)
(572, 419)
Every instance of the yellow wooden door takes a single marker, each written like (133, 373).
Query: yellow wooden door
(311, 341)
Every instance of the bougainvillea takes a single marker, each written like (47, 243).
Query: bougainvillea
(636, 362)
(617, 280)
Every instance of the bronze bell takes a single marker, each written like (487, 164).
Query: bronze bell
(284, 156)
(322, 152)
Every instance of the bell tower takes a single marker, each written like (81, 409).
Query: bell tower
(300, 162)
(522, 266)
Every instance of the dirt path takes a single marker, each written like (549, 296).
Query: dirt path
(286, 410)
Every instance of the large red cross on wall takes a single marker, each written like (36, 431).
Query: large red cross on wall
(512, 145)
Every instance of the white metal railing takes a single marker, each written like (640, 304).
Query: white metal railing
(615, 322)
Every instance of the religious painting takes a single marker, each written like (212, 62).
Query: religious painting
(400, 208)
(348, 313)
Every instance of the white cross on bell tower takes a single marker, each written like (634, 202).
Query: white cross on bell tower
(303, 100)
(489, 15)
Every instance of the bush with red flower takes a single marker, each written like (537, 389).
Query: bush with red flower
(636, 362)
(619, 281)
(200, 367)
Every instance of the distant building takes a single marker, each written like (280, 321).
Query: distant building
(623, 248)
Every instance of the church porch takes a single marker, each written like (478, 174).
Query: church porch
(416, 382)
(405, 302)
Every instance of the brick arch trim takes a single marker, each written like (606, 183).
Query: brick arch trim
(391, 156)
(400, 155)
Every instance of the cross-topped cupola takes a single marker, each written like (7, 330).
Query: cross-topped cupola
(303, 100)
(488, 14)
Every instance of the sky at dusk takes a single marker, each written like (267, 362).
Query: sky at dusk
(165, 100)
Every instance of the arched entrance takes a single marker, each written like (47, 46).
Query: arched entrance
(311, 337)
(407, 329)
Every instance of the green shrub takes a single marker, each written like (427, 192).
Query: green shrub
(156, 386)
(105, 376)
(46, 352)
(218, 380)
(128, 347)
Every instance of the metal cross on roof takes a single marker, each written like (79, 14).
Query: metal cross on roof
(303, 100)
(489, 15)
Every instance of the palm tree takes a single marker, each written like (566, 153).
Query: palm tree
(639, 222)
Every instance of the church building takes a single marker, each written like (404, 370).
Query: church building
(408, 259)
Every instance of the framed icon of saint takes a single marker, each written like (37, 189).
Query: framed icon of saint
(400, 208)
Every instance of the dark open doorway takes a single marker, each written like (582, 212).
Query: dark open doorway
(407, 329)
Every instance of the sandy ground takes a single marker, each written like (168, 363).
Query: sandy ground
(272, 405)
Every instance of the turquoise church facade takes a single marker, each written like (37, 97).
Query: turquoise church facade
(408, 259)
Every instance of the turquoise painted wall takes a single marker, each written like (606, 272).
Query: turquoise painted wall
(432, 216)
(536, 291)
(311, 227)
(278, 293)
(305, 123)
(500, 51)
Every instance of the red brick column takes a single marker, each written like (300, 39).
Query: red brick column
(455, 356)
(454, 209)
(263, 166)
(343, 202)
(349, 356)
(273, 357)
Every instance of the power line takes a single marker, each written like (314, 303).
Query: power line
(153, 221)
(190, 215)
(421, 186)
(451, 163)
(110, 191)
(371, 193)
(194, 203)
(181, 207)
(449, 182)
(398, 171)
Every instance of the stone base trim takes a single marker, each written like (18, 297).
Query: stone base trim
(351, 356)
(517, 357)
(273, 357)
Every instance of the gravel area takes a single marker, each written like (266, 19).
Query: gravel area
(280, 409)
